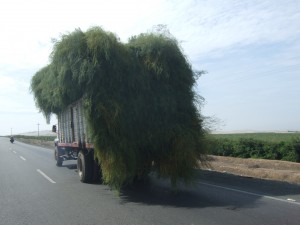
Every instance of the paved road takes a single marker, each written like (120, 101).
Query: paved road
(34, 191)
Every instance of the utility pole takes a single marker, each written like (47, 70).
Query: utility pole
(10, 131)
(38, 129)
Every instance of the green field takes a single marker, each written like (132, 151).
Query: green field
(42, 138)
(278, 146)
(269, 137)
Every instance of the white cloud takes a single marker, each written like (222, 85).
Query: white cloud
(14, 95)
(211, 31)
(203, 26)
(6, 82)
(218, 25)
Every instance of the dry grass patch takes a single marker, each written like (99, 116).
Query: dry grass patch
(41, 143)
(258, 168)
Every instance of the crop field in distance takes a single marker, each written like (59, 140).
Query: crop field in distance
(270, 137)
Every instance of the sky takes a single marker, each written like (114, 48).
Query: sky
(249, 49)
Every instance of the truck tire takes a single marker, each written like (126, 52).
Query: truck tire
(57, 157)
(85, 167)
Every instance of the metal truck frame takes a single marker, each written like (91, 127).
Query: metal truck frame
(73, 142)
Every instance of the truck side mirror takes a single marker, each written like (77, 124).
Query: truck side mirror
(54, 128)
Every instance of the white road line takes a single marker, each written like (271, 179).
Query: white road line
(44, 175)
(22, 158)
(15, 152)
(250, 193)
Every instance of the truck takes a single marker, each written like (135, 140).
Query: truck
(73, 142)
(131, 106)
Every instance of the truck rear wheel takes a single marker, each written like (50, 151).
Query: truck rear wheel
(85, 167)
(57, 157)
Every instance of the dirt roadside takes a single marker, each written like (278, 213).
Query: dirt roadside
(256, 168)
(44, 144)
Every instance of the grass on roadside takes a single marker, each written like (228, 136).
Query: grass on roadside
(277, 146)
(41, 138)
(270, 137)
(43, 141)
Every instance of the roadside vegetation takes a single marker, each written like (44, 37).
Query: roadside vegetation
(43, 141)
(276, 146)
(40, 138)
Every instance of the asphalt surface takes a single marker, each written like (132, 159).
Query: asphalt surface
(34, 191)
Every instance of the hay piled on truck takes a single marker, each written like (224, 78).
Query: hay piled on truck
(138, 99)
